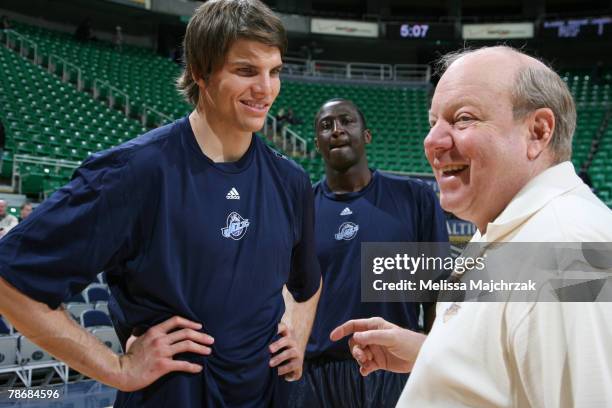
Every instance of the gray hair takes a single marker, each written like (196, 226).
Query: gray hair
(535, 86)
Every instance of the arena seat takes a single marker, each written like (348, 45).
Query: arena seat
(102, 306)
(146, 77)
(95, 318)
(600, 170)
(97, 294)
(108, 336)
(78, 298)
(46, 117)
(31, 353)
(8, 351)
(5, 329)
(397, 117)
(76, 309)
(57, 121)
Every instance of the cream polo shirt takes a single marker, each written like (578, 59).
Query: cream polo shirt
(524, 354)
(8, 223)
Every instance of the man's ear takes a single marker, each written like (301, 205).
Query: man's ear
(197, 78)
(367, 136)
(200, 82)
(316, 142)
(541, 128)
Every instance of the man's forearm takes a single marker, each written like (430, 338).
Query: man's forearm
(299, 316)
(57, 333)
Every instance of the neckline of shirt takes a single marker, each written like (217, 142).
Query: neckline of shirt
(348, 196)
(237, 166)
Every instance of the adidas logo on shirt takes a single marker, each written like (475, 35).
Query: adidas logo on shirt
(233, 194)
(346, 211)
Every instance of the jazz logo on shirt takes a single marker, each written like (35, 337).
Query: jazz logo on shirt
(236, 226)
(347, 231)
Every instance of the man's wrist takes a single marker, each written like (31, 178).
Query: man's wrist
(116, 376)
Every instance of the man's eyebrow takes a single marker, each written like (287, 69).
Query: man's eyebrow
(458, 103)
(249, 64)
(337, 114)
(322, 118)
(241, 62)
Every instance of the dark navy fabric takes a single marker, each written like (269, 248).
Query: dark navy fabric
(338, 383)
(179, 235)
(389, 209)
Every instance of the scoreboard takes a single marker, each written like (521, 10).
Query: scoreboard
(420, 31)
(582, 28)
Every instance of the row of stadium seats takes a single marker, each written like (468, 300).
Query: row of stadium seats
(397, 117)
(78, 125)
(587, 90)
(45, 117)
(398, 135)
(600, 170)
(147, 78)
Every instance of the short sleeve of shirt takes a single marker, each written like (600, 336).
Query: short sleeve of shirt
(76, 233)
(433, 221)
(305, 274)
(432, 228)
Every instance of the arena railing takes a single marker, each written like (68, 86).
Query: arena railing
(269, 127)
(147, 110)
(20, 43)
(66, 65)
(357, 71)
(412, 73)
(289, 136)
(19, 159)
(113, 92)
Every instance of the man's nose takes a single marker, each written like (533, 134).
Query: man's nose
(438, 138)
(263, 86)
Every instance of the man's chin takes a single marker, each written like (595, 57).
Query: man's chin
(253, 125)
(341, 165)
(452, 203)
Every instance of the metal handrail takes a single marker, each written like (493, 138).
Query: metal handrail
(113, 92)
(295, 139)
(146, 109)
(45, 161)
(297, 66)
(266, 127)
(360, 70)
(412, 72)
(21, 39)
(65, 72)
(417, 73)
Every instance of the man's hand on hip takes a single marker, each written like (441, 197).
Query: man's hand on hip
(150, 356)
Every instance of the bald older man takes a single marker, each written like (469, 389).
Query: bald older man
(500, 147)
(7, 221)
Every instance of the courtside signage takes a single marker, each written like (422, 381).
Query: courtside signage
(497, 31)
(344, 27)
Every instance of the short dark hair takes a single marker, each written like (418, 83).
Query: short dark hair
(26, 202)
(212, 30)
(341, 100)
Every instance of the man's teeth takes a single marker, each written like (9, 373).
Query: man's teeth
(255, 105)
(449, 169)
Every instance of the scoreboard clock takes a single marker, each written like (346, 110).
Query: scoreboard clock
(420, 31)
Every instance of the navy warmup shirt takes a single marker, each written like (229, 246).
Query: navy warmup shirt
(388, 209)
(179, 235)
